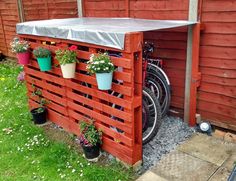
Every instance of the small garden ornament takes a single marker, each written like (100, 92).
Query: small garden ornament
(90, 140)
(43, 56)
(67, 59)
(21, 48)
(102, 66)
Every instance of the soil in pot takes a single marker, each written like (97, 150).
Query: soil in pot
(91, 152)
(39, 115)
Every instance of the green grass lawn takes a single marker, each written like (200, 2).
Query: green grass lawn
(25, 151)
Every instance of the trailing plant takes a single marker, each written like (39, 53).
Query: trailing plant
(100, 63)
(89, 136)
(41, 52)
(66, 56)
(19, 46)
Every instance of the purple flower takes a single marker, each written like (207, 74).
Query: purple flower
(21, 76)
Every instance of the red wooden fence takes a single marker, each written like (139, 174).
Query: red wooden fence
(72, 100)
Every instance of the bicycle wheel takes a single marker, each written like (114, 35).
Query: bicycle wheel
(145, 115)
(156, 82)
(154, 121)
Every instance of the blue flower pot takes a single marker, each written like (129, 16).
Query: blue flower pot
(104, 80)
(45, 63)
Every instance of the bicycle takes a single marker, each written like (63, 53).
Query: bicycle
(155, 78)
(151, 111)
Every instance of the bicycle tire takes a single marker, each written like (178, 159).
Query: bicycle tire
(145, 116)
(157, 77)
(147, 93)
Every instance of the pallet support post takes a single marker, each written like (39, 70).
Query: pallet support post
(80, 8)
(192, 63)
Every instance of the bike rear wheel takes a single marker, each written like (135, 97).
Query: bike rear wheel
(154, 121)
(156, 82)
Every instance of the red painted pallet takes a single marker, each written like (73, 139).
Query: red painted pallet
(72, 100)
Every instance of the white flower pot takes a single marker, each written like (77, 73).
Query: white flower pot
(68, 70)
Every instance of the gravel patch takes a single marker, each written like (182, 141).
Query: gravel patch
(172, 132)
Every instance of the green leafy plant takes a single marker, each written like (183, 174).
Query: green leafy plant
(19, 46)
(41, 52)
(100, 63)
(66, 56)
(42, 101)
(89, 136)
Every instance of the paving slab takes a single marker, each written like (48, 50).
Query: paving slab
(222, 174)
(178, 166)
(229, 163)
(208, 148)
(150, 176)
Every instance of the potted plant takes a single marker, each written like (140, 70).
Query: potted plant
(102, 66)
(43, 56)
(21, 47)
(67, 60)
(40, 113)
(90, 140)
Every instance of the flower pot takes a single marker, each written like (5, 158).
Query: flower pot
(68, 70)
(39, 117)
(23, 58)
(45, 63)
(91, 152)
(104, 80)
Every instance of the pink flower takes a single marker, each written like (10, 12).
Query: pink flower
(73, 47)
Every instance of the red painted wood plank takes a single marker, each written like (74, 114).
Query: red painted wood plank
(220, 28)
(154, 5)
(118, 150)
(216, 99)
(218, 52)
(99, 106)
(229, 91)
(218, 80)
(160, 35)
(106, 130)
(224, 73)
(159, 14)
(217, 108)
(229, 5)
(47, 86)
(100, 94)
(218, 63)
(224, 40)
(104, 5)
(102, 118)
(219, 16)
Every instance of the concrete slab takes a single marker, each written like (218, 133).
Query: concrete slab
(229, 163)
(150, 176)
(178, 166)
(222, 174)
(208, 148)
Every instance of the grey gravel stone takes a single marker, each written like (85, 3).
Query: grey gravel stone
(172, 132)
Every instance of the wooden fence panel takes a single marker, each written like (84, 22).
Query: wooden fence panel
(217, 93)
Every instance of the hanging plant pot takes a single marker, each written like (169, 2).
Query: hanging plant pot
(68, 70)
(39, 115)
(45, 63)
(91, 152)
(104, 80)
(23, 58)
